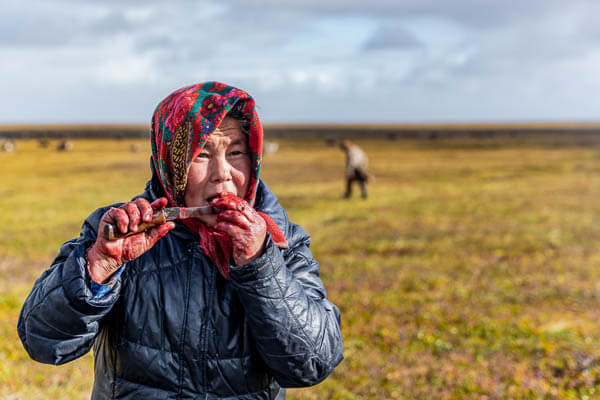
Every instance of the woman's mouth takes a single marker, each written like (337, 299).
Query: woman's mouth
(211, 198)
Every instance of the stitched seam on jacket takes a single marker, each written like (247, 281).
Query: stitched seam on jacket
(138, 274)
(266, 388)
(41, 303)
(263, 390)
(114, 383)
(223, 358)
(144, 385)
(183, 328)
(308, 261)
(206, 327)
(149, 347)
(307, 337)
(319, 300)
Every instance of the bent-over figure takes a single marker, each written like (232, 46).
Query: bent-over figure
(357, 164)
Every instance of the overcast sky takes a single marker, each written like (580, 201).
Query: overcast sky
(374, 61)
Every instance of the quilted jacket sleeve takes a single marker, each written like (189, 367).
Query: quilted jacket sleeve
(60, 318)
(295, 326)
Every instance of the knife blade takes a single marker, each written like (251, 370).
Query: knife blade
(112, 232)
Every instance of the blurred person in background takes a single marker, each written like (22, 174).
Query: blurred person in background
(357, 164)
(229, 306)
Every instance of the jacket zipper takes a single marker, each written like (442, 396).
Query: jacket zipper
(211, 286)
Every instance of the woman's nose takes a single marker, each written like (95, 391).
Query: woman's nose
(220, 170)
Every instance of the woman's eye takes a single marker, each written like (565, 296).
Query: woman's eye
(203, 155)
(237, 153)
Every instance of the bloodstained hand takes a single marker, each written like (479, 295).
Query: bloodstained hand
(246, 228)
(105, 257)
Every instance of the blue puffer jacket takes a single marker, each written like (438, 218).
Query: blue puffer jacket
(173, 328)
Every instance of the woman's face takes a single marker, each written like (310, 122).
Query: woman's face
(223, 166)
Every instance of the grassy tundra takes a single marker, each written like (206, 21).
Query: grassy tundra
(472, 271)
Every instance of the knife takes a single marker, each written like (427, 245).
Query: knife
(112, 232)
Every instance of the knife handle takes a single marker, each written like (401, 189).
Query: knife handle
(112, 232)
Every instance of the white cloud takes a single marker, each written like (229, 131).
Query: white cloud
(305, 60)
(129, 69)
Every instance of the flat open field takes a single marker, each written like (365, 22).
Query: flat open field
(472, 271)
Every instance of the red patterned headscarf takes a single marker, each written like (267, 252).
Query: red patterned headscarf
(181, 125)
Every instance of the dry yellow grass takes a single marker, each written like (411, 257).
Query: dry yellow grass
(472, 271)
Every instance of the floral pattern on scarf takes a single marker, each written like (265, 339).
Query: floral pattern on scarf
(181, 125)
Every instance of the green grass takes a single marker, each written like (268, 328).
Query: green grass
(472, 271)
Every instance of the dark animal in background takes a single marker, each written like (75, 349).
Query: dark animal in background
(330, 142)
(8, 145)
(64, 145)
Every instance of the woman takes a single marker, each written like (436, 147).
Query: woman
(231, 306)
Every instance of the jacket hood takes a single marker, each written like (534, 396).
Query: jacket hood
(181, 125)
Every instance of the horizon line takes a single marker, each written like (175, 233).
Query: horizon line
(566, 124)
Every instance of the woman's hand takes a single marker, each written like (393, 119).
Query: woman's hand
(106, 256)
(246, 228)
